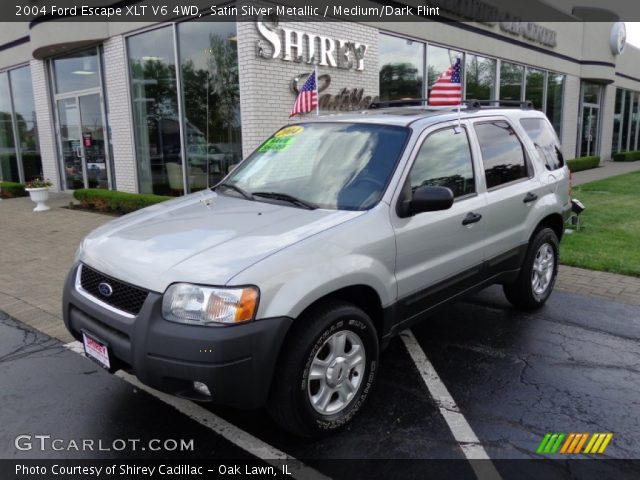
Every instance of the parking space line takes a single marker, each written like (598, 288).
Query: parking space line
(228, 431)
(457, 423)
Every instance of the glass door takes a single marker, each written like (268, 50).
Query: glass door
(82, 142)
(590, 116)
(82, 135)
(589, 121)
(71, 143)
(93, 141)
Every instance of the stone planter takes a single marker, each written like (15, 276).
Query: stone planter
(39, 196)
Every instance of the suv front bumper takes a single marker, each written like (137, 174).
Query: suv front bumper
(236, 363)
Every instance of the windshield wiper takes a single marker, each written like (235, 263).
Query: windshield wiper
(286, 198)
(242, 192)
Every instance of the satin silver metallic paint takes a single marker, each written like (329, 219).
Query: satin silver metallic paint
(296, 256)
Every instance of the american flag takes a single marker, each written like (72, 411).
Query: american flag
(447, 90)
(307, 98)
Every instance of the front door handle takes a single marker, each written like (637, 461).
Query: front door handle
(530, 197)
(471, 218)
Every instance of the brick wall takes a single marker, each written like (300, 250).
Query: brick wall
(265, 95)
(119, 114)
(45, 119)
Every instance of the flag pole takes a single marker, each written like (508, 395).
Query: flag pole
(315, 72)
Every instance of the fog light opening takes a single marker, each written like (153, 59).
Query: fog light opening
(201, 388)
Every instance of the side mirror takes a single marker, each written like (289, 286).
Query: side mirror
(430, 199)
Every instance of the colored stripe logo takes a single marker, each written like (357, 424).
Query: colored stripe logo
(573, 443)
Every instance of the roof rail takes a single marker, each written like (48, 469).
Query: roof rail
(404, 102)
(401, 102)
(471, 103)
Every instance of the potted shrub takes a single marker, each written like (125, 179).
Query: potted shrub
(39, 192)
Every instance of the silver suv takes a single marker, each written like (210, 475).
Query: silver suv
(281, 285)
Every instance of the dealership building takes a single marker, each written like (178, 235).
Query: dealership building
(169, 108)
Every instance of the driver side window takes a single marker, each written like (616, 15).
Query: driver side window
(444, 160)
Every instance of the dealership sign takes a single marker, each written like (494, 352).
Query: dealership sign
(486, 13)
(347, 99)
(298, 46)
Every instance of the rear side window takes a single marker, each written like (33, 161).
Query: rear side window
(545, 141)
(502, 153)
(444, 160)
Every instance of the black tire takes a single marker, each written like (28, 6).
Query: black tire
(289, 402)
(521, 293)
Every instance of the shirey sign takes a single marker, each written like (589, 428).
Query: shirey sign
(303, 47)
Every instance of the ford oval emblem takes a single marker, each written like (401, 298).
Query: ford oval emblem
(105, 289)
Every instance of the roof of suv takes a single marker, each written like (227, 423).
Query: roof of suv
(423, 116)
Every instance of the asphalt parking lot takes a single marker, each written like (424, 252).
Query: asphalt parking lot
(574, 366)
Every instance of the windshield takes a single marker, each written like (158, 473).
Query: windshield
(328, 165)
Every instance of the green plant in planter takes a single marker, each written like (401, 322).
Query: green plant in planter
(39, 183)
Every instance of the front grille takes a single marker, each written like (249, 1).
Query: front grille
(125, 297)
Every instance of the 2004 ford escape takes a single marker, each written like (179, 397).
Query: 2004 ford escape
(281, 285)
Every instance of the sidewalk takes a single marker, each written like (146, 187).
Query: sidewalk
(605, 170)
(36, 252)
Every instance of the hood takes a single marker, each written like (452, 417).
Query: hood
(186, 240)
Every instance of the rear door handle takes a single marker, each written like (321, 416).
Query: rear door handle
(530, 197)
(471, 218)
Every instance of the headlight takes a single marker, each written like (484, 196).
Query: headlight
(198, 305)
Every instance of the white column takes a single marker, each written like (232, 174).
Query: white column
(607, 107)
(119, 114)
(570, 114)
(46, 125)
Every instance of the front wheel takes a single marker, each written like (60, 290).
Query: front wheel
(538, 273)
(326, 370)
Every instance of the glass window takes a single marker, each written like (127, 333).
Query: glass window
(155, 111)
(332, 165)
(591, 93)
(535, 87)
(439, 60)
(401, 68)
(624, 133)
(480, 74)
(635, 119)
(8, 158)
(77, 71)
(502, 153)
(555, 90)
(617, 120)
(27, 127)
(511, 76)
(545, 141)
(444, 160)
(209, 67)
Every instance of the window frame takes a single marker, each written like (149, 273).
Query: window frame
(14, 121)
(530, 169)
(425, 134)
(174, 25)
(558, 145)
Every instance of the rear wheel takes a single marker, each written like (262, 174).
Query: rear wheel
(538, 273)
(326, 371)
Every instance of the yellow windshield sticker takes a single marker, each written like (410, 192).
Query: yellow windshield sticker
(276, 144)
(289, 131)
